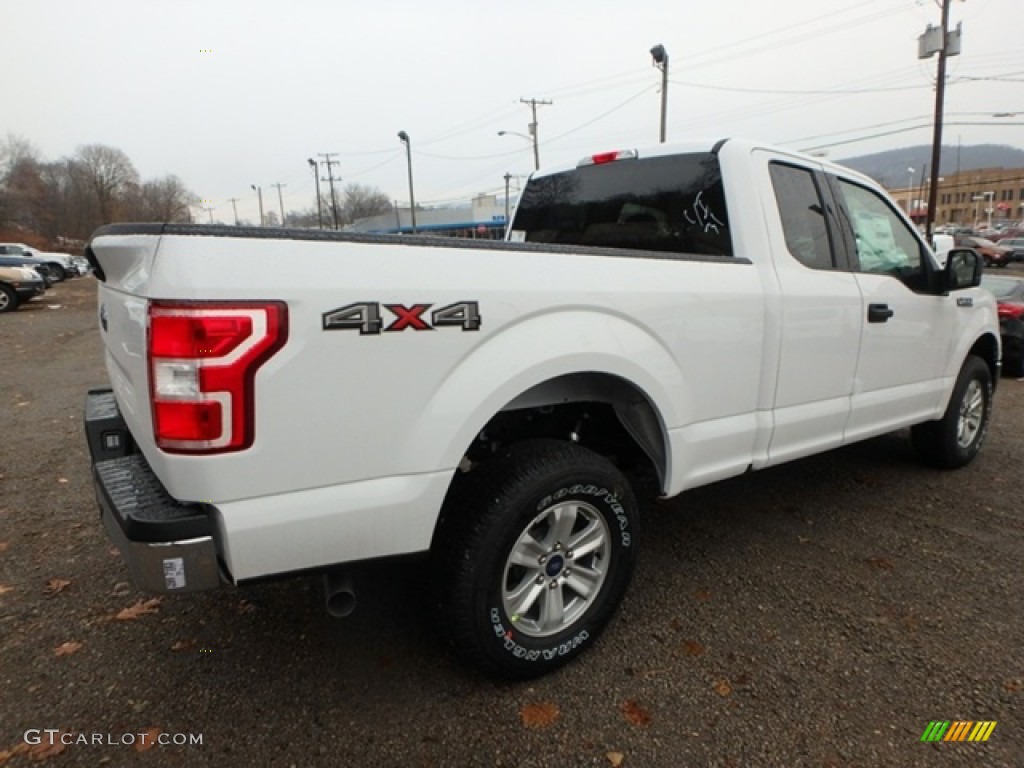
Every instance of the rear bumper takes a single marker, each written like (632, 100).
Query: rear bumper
(169, 546)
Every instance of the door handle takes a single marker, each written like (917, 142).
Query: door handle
(879, 313)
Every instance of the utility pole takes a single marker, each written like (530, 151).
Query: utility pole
(280, 200)
(330, 177)
(210, 212)
(508, 178)
(938, 40)
(534, 103)
(234, 204)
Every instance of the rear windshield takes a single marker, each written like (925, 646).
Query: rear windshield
(674, 204)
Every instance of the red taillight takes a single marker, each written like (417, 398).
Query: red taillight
(192, 336)
(1011, 310)
(203, 359)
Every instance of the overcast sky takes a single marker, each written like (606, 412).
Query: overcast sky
(230, 93)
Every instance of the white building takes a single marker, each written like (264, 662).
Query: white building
(484, 217)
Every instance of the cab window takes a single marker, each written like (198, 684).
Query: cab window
(673, 203)
(884, 244)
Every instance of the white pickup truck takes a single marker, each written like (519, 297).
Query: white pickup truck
(284, 401)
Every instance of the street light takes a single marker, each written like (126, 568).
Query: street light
(990, 196)
(532, 138)
(259, 191)
(316, 178)
(404, 138)
(910, 192)
(660, 56)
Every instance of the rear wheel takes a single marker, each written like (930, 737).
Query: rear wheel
(55, 271)
(954, 440)
(534, 555)
(8, 299)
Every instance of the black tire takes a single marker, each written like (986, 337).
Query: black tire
(57, 270)
(1014, 367)
(522, 503)
(8, 299)
(1012, 334)
(954, 440)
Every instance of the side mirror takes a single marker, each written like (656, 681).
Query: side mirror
(963, 269)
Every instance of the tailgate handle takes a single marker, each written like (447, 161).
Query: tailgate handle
(879, 313)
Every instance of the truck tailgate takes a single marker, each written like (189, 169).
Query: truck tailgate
(125, 264)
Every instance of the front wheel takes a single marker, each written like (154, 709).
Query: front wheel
(535, 554)
(954, 440)
(54, 271)
(8, 299)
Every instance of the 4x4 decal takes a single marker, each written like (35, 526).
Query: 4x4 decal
(366, 317)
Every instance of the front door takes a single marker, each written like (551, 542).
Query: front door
(906, 331)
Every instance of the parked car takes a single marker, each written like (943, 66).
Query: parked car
(1017, 244)
(30, 262)
(18, 284)
(1008, 233)
(1009, 293)
(994, 255)
(58, 265)
(81, 265)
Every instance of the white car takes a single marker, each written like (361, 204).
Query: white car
(61, 265)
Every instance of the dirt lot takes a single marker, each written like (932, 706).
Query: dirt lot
(820, 614)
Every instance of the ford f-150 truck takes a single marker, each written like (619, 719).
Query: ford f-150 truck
(288, 401)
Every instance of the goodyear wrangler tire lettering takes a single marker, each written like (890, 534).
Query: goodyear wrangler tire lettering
(535, 554)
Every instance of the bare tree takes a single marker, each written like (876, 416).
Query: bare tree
(13, 151)
(108, 171)
(20, 187)
(360, 202)
(165, 199)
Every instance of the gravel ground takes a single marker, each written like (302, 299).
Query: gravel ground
(820, 614)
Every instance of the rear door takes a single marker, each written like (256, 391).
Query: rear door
(819, 312)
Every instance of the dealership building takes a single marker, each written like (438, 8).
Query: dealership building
(969, 198)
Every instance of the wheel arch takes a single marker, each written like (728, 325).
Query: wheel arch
(986, 347)
(558, 362)
(581, 395)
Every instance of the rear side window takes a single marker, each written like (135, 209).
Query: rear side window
(803, 216)
(674, 204)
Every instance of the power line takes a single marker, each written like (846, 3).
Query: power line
(883, 134)
(780, 91)
(886, 124)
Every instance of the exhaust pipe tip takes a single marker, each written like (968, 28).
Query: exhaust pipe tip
(340, 594)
